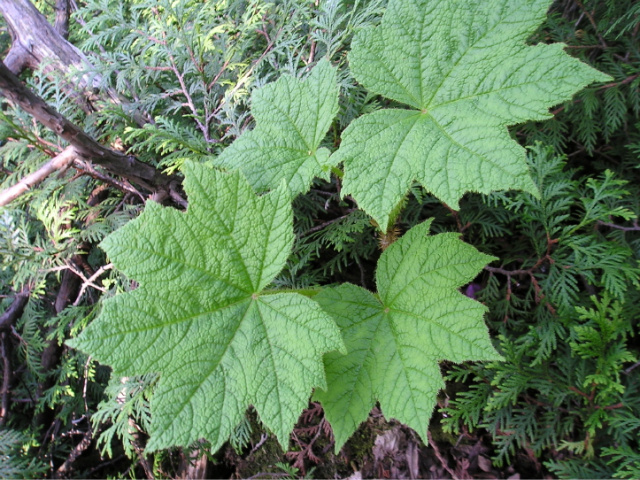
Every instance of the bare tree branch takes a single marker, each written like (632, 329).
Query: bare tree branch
(63, 12)
(65, 469)
(7, 319)
(14, 311)
(38, 44)
(59, 162)
(7, 376)
(126, 166)
(35, 40)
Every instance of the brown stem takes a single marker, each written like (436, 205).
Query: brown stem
(12, 88)
(65, 468)
(634, 228)
(9, 317)
(7, 376)
(629, 79)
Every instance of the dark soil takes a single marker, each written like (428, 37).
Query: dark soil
(378, 449)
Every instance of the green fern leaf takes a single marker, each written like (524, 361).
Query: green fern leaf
(202, 319)
(395, 339)
(465, 71)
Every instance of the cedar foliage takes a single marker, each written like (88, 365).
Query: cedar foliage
(563, 298)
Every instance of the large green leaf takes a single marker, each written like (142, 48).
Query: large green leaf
(292, 118)
(200, 316)
(396, 338)
(465, 71)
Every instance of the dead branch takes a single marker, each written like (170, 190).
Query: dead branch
(35, 39)
(85, 168)
(58, 163)
(65, 469)
(88, 282)
(38, 44)
(7, 376)
(8, 318)
(439, 456)
(126, 166)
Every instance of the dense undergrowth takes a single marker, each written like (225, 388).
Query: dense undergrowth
(563, 299)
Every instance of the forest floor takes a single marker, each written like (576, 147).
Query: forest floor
(378, 449)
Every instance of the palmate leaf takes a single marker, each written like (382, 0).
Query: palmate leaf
(292, 118)
(202, 319)
(465, 71)
(396, 338)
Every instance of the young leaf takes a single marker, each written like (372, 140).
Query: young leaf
(292, 117)
(395, 339)
(465, 70)
(201, 318)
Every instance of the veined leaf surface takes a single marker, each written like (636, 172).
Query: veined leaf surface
(396, 338)
(292, 118)
(465, 71)
(200, 316)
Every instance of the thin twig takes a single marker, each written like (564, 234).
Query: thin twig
(88, 282)
(592, 21)
(323, 225)
(508, 273)
(628, 370)
(135, 443)
(263, 438)
(85, 384)
(629, 79)
(242, 80)
(443, 462)
(634, 228)
(88, 169)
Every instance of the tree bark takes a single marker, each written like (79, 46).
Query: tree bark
(36, 43)
(126, 166)
(8, 318)
(36, 40)
(63, 12)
